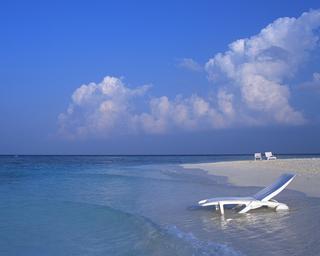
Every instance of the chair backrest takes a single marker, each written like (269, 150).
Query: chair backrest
(268, 154)
(275, 188)
(257, 155)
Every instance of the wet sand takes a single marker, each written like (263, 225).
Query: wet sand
(262, 173)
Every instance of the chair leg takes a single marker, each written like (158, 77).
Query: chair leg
(247, 208)
(221, 208)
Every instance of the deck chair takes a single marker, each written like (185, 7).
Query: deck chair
(260, 199)
(270, 156)
(257, 156)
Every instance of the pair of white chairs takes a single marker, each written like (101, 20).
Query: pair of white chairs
(269, 156)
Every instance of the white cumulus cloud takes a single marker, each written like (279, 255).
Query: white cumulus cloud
(258, 68)
(102, 108)
(191, 113)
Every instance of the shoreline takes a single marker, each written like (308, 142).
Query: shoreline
(262, 173)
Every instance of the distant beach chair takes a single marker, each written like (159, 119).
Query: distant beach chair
(257, 156)
(270, 156)
(262, 198)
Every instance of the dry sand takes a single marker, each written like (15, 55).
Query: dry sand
(262, 173)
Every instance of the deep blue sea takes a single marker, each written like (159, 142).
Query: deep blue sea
(140, 205)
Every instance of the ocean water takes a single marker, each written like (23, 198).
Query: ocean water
(140, 205)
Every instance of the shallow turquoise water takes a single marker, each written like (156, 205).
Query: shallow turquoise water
(102, 205)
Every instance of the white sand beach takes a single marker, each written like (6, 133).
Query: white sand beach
(262, 173)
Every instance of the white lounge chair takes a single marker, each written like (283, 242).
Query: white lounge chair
(257, 156)
(262, 198)
(270, 156)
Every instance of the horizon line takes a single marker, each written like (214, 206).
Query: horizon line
(205, 154)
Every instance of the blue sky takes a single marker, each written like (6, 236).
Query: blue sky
(165, 77)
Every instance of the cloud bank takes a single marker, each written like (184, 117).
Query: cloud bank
(110, 107)
(251, 81)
